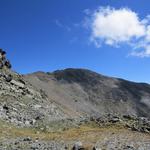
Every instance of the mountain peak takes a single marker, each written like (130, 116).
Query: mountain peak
(77, 75)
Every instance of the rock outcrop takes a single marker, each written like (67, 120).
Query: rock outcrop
(21, 103)
(4, 63)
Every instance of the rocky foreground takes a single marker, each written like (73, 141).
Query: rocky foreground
(72, 109)
(84, 137)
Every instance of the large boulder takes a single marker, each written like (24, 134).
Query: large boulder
(78, 146)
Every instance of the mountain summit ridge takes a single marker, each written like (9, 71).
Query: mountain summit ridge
(97, 93)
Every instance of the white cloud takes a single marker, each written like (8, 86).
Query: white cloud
(114, 27)
(145, 52)
(61, 25)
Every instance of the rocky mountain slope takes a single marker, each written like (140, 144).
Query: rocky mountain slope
(22, 104)
(71, 108)
(83, 92)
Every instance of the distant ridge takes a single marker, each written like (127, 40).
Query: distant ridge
(90, 93)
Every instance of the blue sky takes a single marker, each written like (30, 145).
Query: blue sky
(48, 35)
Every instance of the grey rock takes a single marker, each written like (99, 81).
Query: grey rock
(27, 139)
(78, 146)
(95, 148)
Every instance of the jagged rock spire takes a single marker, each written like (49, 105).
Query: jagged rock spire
(5, 66)
(4, 63)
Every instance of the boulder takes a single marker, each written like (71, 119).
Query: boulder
(8, 64)
(19, 84)
(8, 78)
(78, 146)
(115, 119)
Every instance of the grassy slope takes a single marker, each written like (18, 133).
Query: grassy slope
(89, 134)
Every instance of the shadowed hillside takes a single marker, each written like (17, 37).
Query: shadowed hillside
(84, 92)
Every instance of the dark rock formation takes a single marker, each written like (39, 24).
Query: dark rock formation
(3, 61)
(5, 66)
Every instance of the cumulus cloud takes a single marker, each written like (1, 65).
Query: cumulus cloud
(115, 27)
